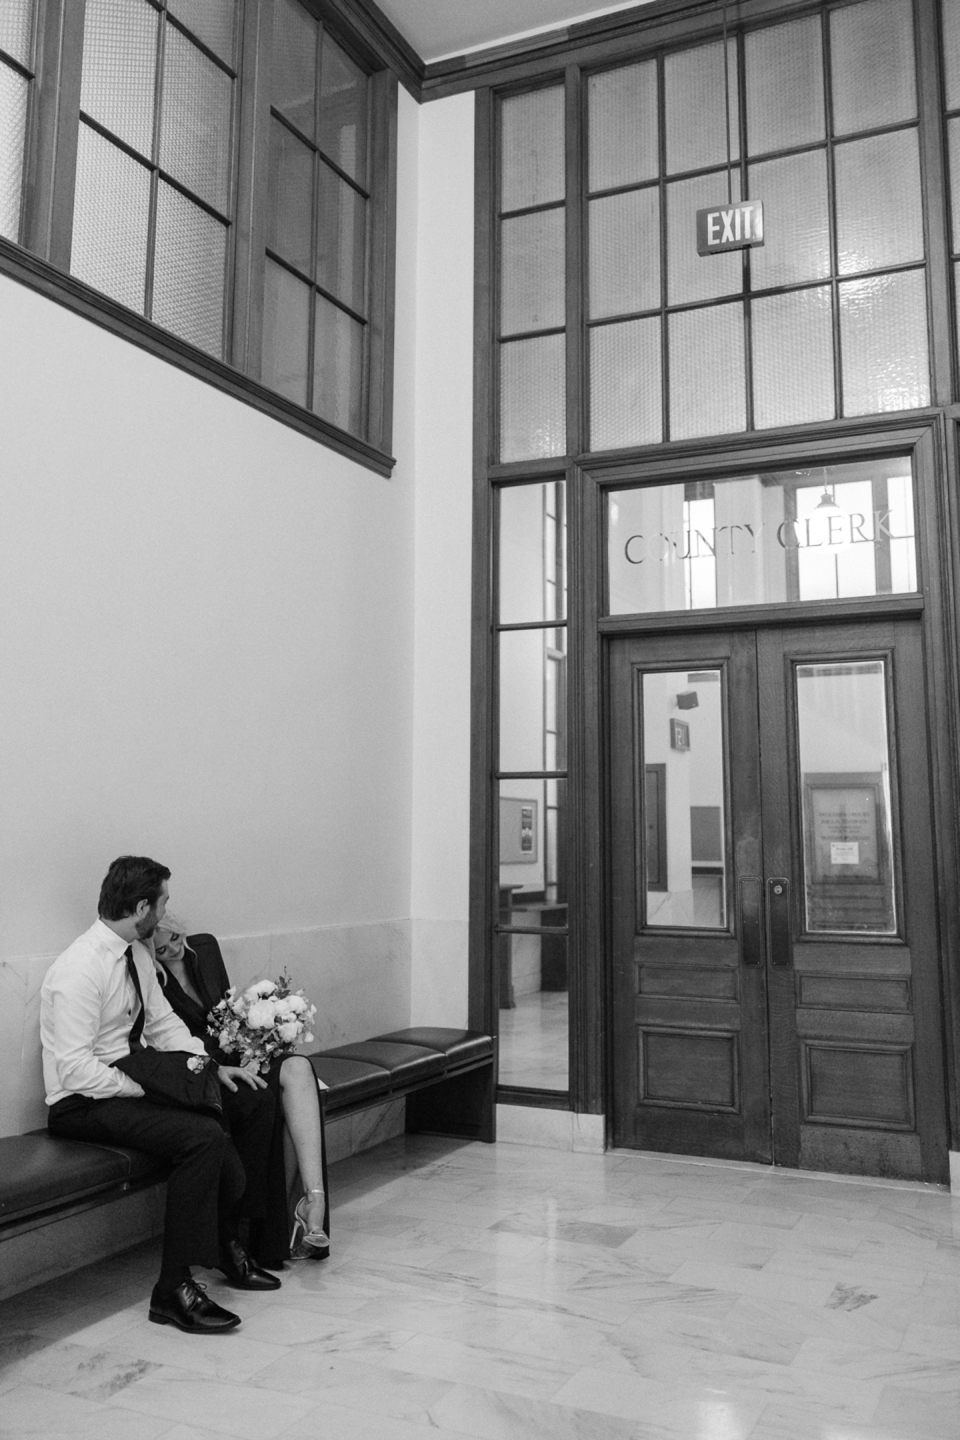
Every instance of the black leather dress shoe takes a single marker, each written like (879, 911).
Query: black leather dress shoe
(189, 1308)
(240, 1272)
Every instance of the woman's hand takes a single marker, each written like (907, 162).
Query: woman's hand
(249, 1074)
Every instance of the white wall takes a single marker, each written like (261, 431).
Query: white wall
(444, 429)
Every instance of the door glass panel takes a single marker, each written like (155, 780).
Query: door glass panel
(845, 798)
(533, 535)
(819, 534)
(684, 831)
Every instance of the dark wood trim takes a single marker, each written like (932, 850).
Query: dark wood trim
(66, 290)
(383, 258)
(535, 1099)
(52, 153)
(935, 180)
(382, 38)
(754, 617)
(483, 998)
(256, 54)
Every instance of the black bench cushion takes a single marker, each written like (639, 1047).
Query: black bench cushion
(459, 1046)
(407, 1064)
(349, 1080)
(39, 1170)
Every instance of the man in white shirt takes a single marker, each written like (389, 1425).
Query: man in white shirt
(88, 1005)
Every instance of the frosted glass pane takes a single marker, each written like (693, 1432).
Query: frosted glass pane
(195, 121)
(625, 253)
(883, 343)
(532, 149)
(119, 69)
(877, 178)
(343, 111)
(189, 271)
(532, 398)
(792, 358)
(212, 21)
(691, 276)
(796, 220)
(337, 367)
(295, 38)
(110, 220)
(872, 65)
(531, 272)
(622, 126)
(286, 324)
(532, 568)
(706, 372)
(342, 240)
(290, 200)
(626, 384)
(16, 29)
(953, 140)
(14, 93)
(950, 10)
(784, 79)
(696, 116)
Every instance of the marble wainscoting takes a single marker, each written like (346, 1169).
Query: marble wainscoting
(512, 1292)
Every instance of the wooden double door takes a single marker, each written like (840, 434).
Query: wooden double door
(774, 904)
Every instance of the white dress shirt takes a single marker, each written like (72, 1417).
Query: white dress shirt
(88, 1004)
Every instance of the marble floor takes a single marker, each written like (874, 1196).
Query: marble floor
(513, 1293)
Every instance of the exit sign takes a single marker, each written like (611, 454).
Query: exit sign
(730, 227)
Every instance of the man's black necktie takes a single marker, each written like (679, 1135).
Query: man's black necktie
(136, 1029)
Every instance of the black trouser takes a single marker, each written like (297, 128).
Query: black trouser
(206, 1180)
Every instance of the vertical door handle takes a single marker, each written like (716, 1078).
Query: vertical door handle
(751, 921)
(778, 910)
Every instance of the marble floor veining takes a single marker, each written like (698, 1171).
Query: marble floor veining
(512, 1293)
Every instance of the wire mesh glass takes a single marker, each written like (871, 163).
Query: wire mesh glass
(883, 343)
(796, 210)
(293, 75)
(110, 220)
(696, 111)
(792, 344)
(953, 149)
(532, 272)
(119, 69)
(337, 366)
(691, 276)
(626, 384)
(344, 103)
(16, 29)
(14, 96)
(872, 66)
(622, 129)
(290, 198)
(189, 271)
(286, 332)
(212, 21)
(532, 149)
(950, 13)
(341, 239)
(624, 266)
(195, 121)
(783, 68)
(877, 179)
(532, 398)
(706, 369)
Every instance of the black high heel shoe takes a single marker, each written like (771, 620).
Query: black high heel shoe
(307, 1244)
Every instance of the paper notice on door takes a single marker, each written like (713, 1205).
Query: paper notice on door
(844, 852)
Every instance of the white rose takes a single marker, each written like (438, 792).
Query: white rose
(284, 1008)
(261, 1015)
(262, 987)
(297, 1004)
(289, 1031)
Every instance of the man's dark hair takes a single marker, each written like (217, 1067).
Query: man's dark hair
(130, 879)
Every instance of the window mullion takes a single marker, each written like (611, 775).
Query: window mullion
(55, 121)
(253, 144)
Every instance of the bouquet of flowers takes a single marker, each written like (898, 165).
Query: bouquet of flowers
(267, 1019)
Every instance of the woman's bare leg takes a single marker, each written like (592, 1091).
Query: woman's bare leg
(301, 1112)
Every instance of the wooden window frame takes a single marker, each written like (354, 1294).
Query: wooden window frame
(42, 260)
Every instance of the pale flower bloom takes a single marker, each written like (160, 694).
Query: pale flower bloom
(261, 1015)
(289, 1031)
(262, 987)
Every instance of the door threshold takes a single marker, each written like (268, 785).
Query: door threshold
(781, 1171)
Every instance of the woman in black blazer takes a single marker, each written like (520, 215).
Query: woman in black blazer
(194, 980)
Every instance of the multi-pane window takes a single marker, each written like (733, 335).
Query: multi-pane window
(16, 76)
(530, 781)
(532, 302)
(828, 317)
(153, 207)
(951, 65)
(315, 298)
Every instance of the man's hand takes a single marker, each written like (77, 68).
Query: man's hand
(248, 1074)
